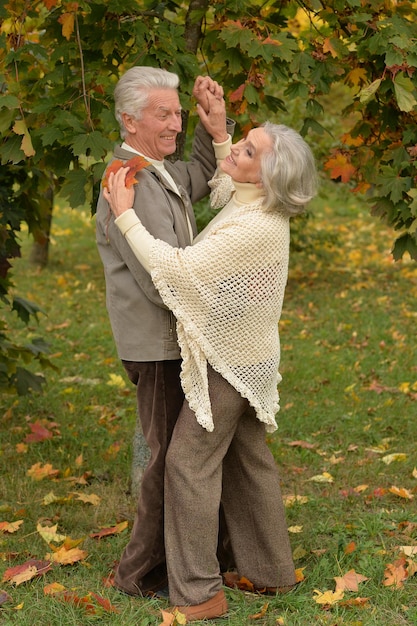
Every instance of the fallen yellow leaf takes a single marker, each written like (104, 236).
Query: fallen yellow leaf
(396, 456)
(49, 533)
(328, 597)
(322, 478)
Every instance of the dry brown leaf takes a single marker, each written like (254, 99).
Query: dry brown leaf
(10, 527)
(303, 444)
(350, 581)
(395, 574)
(26, 571)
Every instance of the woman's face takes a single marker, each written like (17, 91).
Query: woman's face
(244, 161)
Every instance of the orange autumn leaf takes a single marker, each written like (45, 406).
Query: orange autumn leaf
(237, 95)
(67, 20)
(350, 581)
(299, 574)
(401, 492)
(135, 164)
(104, 603)
(66, 556)
(395, 574)
(10, 527)
(261, 613)
(39, 471)
(232, 579)
(351, 547)
(354, 602)
(50, 4)
(82, 602)
(328, 47)
(113, 530)
(53, 588)
(340, 167)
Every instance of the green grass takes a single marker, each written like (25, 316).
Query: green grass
(349, 391)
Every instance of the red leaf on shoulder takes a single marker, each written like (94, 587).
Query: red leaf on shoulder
(134, 164)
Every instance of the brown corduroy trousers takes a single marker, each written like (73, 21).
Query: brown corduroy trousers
(232, 465)
(160, 397)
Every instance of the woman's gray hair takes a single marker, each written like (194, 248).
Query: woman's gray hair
(288, 171)
(131, 93)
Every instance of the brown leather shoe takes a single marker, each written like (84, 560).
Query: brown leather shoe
(210, 609)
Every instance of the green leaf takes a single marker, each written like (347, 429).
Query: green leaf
(94, 144)
(25, 309)
(9, 102)
(251, 94)
(312, 124)
(405, 243)
(25, 381)
(392, 185)
(74, 187)
(49, 135)
(10, 151)
(393, 57)
(368, 92)
(403, 92)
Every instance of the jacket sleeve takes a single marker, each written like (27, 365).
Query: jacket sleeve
(195, 173)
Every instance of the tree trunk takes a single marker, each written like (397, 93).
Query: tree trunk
(192, 37)
(42, 234)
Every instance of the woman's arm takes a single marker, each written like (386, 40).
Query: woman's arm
(120, 199)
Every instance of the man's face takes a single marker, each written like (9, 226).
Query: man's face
(155, 133)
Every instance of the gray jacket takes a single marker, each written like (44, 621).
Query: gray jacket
(143, 328)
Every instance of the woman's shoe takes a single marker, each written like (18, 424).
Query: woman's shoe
(210, 609)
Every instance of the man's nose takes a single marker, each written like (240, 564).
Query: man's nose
(176, 123)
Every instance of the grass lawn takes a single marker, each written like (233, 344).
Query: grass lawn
(346, 444)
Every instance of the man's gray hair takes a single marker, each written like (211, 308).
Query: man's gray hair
(288, 171)
(131, 93)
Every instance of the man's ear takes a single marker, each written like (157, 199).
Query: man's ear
(128, 122)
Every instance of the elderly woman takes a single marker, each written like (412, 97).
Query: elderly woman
(226, 291)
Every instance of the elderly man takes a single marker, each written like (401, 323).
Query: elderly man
(148, 110)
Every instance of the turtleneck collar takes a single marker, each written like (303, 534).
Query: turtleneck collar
(247, 192)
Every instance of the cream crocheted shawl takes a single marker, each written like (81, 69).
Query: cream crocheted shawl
(226, 292)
